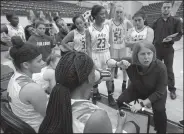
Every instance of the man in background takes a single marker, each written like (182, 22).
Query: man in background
(164, 27)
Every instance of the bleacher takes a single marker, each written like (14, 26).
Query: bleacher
(22, 8)
(153, 11)
(179, 13)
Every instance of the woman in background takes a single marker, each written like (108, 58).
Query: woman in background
(41, 40)
(77, 36)
(29, 30)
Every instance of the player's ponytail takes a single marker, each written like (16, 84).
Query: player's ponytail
(58, 117)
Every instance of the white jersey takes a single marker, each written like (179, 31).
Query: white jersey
(79, 41)
(25, 112)
(139, 35)
(118, 34)
(19, 31)
(99, 38)
(81, 112)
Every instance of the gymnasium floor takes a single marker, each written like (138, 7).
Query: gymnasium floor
(174, 108)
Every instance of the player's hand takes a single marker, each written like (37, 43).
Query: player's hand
(123, 64)
(167, 39)
(121, 119)
(136, 107)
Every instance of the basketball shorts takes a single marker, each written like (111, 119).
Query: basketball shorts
(119, 53)
(100, 59)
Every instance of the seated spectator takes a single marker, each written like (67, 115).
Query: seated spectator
(47, 76)
(26, 99)
(63, 31)
(42, 41)
(29, 30)
(148, 77)
(13, 28)
(68, 110)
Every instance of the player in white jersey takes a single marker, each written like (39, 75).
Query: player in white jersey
(139, 32)
(119, 26)
(77, 36)
(97, 42)
(13, 28)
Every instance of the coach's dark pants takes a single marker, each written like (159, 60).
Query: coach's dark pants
(166, 53)
(159, 110)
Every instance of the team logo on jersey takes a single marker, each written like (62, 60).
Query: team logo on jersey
(138, 37)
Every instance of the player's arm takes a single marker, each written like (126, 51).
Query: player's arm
(4, 28)
(150, 35)
(88, 43)
(68, 38)
(35, 96)
(50, 76)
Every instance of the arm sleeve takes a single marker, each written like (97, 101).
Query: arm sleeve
(161, 86)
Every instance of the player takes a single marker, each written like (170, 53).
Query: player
(138, 33)
(77, 35)
(97, 42)
(119, 26)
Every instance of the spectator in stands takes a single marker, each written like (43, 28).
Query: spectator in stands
(26, 99)
(13, 28)
(42, 41)
(78, 35)
(148, 77)
(67, 106)
(29, 30)
(46, 78)
(63, 31)
(163, 27)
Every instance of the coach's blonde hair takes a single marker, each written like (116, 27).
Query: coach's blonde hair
(137, 47)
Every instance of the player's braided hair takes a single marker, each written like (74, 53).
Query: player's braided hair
(72, 70)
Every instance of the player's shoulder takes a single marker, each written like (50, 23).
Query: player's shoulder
(149, 28)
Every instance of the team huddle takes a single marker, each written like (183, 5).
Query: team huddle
(66, 65)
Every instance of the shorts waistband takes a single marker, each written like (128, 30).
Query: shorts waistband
(100, 50)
